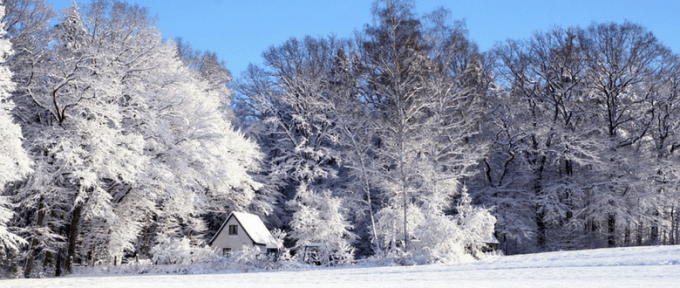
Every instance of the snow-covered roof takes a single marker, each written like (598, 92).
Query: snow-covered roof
(254, 228)
(491, 240)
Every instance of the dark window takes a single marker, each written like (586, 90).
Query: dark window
(233, 229)
(226, 251)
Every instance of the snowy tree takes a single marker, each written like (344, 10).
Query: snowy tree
(400, 106)
(580, 119)
(287, 107)
(662, 167)
(355, 131)
(321, 219)
(14, 162)
(551, 132)
(292, 102)
(127, 139)
(78, 102)
(622, 59)
(395, 66)
(198, 163)
(453, 238)
(424, 82)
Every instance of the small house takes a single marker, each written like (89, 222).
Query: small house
(243, 230)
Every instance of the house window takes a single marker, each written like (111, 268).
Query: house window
(226, 251)
(233, 229)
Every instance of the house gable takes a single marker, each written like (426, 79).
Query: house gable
(224, 243)
(225, 225)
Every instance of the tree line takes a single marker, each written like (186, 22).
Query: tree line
(404, 141)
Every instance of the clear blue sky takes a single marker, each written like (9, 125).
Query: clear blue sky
(239, 30)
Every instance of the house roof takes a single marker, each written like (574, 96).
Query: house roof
(254, 228)
(491, 240)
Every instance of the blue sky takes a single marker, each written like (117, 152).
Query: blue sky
(239, 30)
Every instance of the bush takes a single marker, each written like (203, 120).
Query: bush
(180, 251)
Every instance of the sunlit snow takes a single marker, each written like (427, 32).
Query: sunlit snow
(618, 267)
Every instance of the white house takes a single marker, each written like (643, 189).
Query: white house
(243, 229)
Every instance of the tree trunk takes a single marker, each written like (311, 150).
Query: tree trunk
(674, 227)
(540, 213)
(654, 233)
(568, 169)
(540, 227)
(611, 229)
(72, 235)
(48, 259)
(31, 250)
(677, 230)
(639, 234)
(367, 191)
(145, 240)
(58, 264)
(403, 185)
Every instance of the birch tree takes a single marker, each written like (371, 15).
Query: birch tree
(424, 83)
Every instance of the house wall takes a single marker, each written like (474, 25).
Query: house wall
(235, 242)
(263, 248)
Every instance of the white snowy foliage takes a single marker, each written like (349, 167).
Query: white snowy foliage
(434, 236)
(582, 127)
(170, 250)
(14, 162)
(198, 161)
(290, 100)
(571, 136)
(320, 219)
(426, 120)
(390, 224)
(123, 132)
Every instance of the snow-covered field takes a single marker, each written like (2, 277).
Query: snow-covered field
(620, 267)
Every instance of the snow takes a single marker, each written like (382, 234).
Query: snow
(618, 267)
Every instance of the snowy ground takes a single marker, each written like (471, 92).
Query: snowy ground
(620, 267)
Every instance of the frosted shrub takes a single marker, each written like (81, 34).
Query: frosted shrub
(179, 251)
(171, 251)
(433, 235)
(253, 258)
(320, 219)
(390, 224)
(327, 254)
(203, 254)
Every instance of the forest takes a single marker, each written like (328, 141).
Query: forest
(404, 141)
